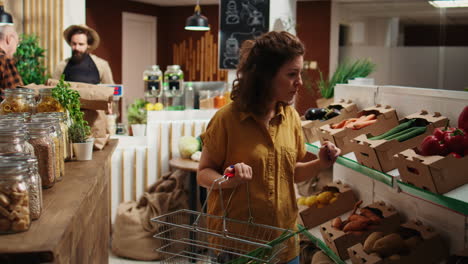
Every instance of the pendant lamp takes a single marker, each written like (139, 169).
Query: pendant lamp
(197, 21)
(5, 18)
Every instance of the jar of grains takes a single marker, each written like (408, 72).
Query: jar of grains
(57, 137)
(15, 101)
(35, 184)
(30, 98)
(44, 147)
(63, 121)
(14, 198)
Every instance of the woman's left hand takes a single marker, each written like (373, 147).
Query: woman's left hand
(328, 154)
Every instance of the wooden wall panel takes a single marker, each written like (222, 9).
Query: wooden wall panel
(44, 18)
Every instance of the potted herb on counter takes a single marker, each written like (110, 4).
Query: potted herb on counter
(79, 130)
(136, 117)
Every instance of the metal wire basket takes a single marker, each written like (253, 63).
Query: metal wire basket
(187, 236)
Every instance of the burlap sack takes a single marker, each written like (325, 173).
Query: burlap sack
(95, 100)
(133, 229)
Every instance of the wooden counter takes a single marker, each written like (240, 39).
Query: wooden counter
(75, 223)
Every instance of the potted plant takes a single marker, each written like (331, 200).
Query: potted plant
(345, 71)
(136, 117)
(29, 58)
(79, 130)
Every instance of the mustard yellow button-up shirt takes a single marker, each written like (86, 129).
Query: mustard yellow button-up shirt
(232, 137)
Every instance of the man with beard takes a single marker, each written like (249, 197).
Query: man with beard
(83, 66)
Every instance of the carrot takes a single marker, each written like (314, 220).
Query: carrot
(375, 219)
(359, 125)
(356, 217)
(349, 123)
(339, 125)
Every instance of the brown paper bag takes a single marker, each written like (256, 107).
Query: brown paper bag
(133, 229)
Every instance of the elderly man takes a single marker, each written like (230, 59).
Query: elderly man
(9, 76)
(83, 66)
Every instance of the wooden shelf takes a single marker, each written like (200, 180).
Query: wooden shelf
(75, 223)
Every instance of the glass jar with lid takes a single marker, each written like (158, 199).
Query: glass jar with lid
(64, 127)
(24, 116)
(13, 139)
(15, 101)
(47, 103)
(35, 185)
(44, 147)
(14, 198)
(174, 77)
(152, 77)
(57, 138)
(30, 98)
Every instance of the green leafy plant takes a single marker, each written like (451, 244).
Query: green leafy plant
(79, 130)
(136, 112)
(344, 72)
(30, 60)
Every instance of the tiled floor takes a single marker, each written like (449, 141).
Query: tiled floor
(113, 259)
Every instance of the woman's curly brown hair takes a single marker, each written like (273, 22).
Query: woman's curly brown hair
(260, 60)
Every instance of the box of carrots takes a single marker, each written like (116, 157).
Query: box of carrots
(376, 150)
(413, 242)
(375, 120)
(341, 233)
(316, 117)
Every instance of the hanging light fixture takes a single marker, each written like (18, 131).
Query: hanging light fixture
(197, 21)
(449, 3)
(5, 18)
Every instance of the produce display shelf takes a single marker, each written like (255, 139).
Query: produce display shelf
(321, 245)
(456, 200)
(352, 164)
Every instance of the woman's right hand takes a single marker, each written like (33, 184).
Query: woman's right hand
(242, 173)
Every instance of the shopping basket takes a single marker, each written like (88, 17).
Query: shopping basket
(185, 237)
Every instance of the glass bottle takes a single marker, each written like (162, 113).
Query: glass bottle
(175, 80)
(35, 184)
(152, 77)
(45, 152)
(15, 101)
(47, 103)
(57, 138)
(64, 127)
(13, 140)
(14, 198)
(189, 96)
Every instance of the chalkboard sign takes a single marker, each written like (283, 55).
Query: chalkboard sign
(240, 20)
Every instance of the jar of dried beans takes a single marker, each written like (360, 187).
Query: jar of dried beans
(14, 198)
(44, 148)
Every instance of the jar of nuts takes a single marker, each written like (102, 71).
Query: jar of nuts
(14, 198)
(35, 184)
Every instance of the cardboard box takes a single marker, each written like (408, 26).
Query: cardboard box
(378, 154)
(386, 119)
(309, 126)
(313, 216)
(340, 241)
(431, 250)
(436, 173)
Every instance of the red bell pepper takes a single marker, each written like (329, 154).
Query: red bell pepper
(463, 119)
(431, 145)
(455, 141)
